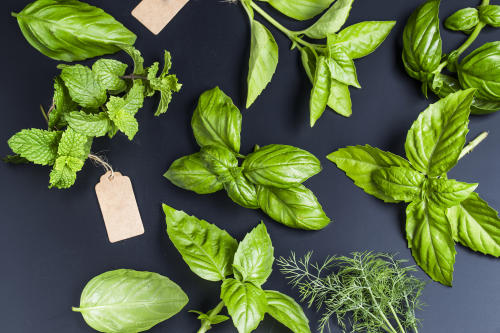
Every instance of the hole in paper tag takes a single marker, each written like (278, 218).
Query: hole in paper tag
(119, 207)
(155, 14)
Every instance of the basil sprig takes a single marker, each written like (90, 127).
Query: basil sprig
(424, 59)
(269, 178)
(440, 211)
(212, 254)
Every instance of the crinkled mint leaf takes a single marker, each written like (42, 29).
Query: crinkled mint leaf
(89, 124)
(83, 86)
(62, 105)
(109, 72)
(63, 174)
(73, 144)
(36, 145)
(122, 110)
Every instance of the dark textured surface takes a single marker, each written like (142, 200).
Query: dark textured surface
(52, 242)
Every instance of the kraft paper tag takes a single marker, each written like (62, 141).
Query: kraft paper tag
(155, 14)
(119, 207)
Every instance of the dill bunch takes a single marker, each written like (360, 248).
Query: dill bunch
(367, 292)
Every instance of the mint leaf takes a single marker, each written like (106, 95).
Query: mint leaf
(83, 86)
(73, 144)
(62, 104)
(15, 159)
(165, 86)
(63, 174)
(36, 145)
(108, 73)
(122, 110)
(136, 58)
(399, 183)
(89, 124)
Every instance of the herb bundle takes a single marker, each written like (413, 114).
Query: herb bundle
(270, 178)
(424, 59)
(330, 66)
(368, 292)
(440, 211)
(212, 254)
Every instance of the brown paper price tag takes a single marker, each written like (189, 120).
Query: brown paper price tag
(155, 14)
(119, 207)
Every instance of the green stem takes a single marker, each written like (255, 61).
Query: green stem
(473, 144)
(45, 116)
(387, 322)
(397, 319)
(14, 14)
(206, 324)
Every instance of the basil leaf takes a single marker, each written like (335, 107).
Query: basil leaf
(217, 121)
(309, 62)
(300, 9)
(341, 66)
(321, 90)
(359, 163)
(63, 104)
(295, 207)
(83, 86)
(263, 61)
(125, 300)
(422, 41)
(36, 145)
(245, 303)
(280, 166)
(218, 159)
(71, 30)
(189, 172)
(253, 261)
(108, 73)
(340, 98)
(399, 183)
(490, 14)
(359, 40)
(331, 21)
(94, 125)
(207, 250)
(436, 138)
(449, 192)
(465, 20)
(430, 239)
(240, 190)
(476, 225)
(480, 70)
(284, 309)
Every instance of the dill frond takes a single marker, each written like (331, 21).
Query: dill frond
(366, 292)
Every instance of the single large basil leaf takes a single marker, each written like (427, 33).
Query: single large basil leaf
(490, 14)
(476, 225)
(363, 38)
(437, 137)
(240, 190)
(284, 309)
(449, 192)
(280, 166)
(340, 98)
(83, 86)
(430, 238)
(422, 41)
(218, 160)
(480, 70)
(359, 163)
(300, 9)
(295, 207)
(263, 61)
(245, 303)
(190, 173)
(464, 19)
(71, 30)
(216, 121)
(399, 183)
(125, 300)
(320, 92)
(253, 261)
(341, 66)
(207, 250)
(331, 21)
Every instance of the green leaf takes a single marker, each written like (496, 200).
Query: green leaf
(63, 175)
(321, 90)
(125, 300)
(331, 21)
(263, 61)
(295, 207)
(361, 39)
(15, 159)
(136, 58)
(464, 19)
(359, 163)
(71, 30)
(280, 166)
(284, 309)
(190, 173)
(245, 303)
(490, 14)
(480, 70)
(399, 183)
(167, 64)
(83, 86)
(341, 66)
(449, 192)
(308, 59)
(430, 238)
(109, 72)
(166, 86)
(253, 261)
(218, 159)
(207, 250)
(73, 144)
(476, 224)
(437, 137)
(240, 190)
(340, 98)
(300, 9)
(89, 124)
(122, 110)
(63, 104)
(36, 145)
(216, 121)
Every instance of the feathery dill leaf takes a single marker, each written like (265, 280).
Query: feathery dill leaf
(367, 292)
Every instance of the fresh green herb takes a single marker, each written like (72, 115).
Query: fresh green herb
(212, 254)
(125, 300)
(329, 66)
(424, 59)
(364, 293)
(441, 211)
(269, 178)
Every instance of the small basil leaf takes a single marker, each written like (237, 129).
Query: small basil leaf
(218, 159)
(284, 309)
(331, 21)
(83, 86)
(449, 192)
(125, 300)
(240, 190)
(465, 20)
(340, 98)
(341, 66)
(308, 61)
(321, 90)
(300, 9)
(490, 14)
(399, 183)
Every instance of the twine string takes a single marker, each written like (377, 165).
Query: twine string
(101, 161)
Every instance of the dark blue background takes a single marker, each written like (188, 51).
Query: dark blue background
(52, 242)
